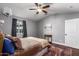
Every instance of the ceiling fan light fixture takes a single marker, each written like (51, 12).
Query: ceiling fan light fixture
(2, 21)
(39, 10)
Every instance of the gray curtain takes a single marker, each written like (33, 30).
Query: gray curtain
(24, 29)
(14, 26)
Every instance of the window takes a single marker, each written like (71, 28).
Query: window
(19, 28)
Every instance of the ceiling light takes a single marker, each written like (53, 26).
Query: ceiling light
(39, 10)
(2, 21)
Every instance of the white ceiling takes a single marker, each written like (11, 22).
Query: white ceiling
(22, 9)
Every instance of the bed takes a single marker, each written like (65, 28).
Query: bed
(32, 46)
(41, 41)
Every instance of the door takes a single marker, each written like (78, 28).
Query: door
(72, 32)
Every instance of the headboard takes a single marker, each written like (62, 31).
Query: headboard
(1, 42)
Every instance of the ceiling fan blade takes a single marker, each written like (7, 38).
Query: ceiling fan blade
(32, 9)
(44, 11)
(37, 12)
(47, 6)
(36, 4)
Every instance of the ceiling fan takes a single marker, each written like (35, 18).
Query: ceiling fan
(6, 11)
(40, 8)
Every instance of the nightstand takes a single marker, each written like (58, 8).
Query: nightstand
(48, 37)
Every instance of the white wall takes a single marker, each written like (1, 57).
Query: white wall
(31, 28)
(71, 16)
(57, 22)
(7, 26)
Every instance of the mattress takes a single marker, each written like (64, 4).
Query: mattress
(27, 44)
(43, 42)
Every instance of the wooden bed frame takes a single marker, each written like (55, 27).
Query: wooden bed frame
(42, 52)
(1, 43)
(33, 52)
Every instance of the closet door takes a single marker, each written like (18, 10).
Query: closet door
(72, 32)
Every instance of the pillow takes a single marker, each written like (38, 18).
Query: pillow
(16, 42)
(8, 47)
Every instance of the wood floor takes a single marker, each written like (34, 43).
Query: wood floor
(75, 52)
(47, 54)
(69, 51)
